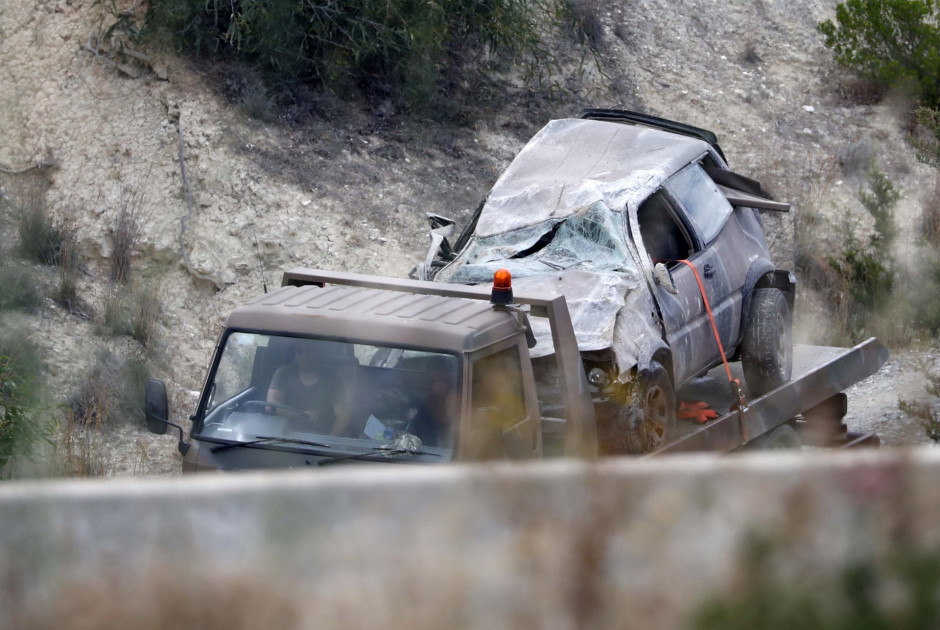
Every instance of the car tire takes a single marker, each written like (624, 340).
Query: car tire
(767, 348)
(645, 416)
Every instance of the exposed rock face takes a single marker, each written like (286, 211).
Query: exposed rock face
(351, 193)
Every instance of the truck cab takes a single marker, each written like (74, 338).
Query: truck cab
(336, 367)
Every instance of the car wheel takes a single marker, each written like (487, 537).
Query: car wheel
(767, 349)
(645, 417)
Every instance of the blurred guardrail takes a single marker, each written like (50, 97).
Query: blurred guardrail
(563, 544)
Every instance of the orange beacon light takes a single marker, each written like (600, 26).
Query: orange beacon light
(502, 288)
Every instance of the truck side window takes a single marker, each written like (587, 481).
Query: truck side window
(497, 404)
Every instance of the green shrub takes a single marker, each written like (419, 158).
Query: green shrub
(896, 42)
(18, 432)
(20, 287)
(20, 429)
(925, 295)
(385, 46)
(24, 354)
(879, 200)
(870, 269)
(927, 143)
(896, 589)
(927, 413)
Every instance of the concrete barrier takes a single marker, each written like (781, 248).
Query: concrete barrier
(563, 544)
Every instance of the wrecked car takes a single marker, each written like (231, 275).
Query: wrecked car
(659, 250)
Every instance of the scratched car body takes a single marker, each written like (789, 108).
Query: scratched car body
(605, 208)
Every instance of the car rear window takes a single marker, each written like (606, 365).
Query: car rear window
(703, 202)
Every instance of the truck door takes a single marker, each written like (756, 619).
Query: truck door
(503, 419)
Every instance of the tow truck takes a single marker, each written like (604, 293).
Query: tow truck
(373, 347)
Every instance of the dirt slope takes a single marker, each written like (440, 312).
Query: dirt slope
(350, 193)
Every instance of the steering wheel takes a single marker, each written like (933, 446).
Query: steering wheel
(264, 405)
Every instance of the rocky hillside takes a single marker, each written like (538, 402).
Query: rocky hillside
(349, 189)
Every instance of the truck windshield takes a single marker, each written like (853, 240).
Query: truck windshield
(348, 396)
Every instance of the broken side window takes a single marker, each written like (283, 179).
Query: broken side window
(663, 235)
(706, 206)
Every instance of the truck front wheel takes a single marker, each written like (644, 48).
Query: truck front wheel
(645, 418)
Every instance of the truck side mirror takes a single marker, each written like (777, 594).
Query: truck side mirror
(156, 409)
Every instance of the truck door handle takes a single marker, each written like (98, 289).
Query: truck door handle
(708, 271)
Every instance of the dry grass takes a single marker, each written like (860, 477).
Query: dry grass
(78, 449)
(134, 312)
(127, 229)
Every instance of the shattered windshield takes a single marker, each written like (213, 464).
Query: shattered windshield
(591, 240)
(269, 389)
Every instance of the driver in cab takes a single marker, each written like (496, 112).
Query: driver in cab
(312, 391)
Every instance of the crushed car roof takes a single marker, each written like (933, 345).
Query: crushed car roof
(572, 163)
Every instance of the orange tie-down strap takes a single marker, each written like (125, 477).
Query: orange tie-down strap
(696, 410)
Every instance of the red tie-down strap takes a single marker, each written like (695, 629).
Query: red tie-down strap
(735, 383)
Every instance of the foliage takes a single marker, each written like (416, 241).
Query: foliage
(41, 238)
(20, 287)
(926, 412)
(18, 432)
(879, 201)
(111, 392)
(900, 591)
(928, 149)
(930, 218)
(386, 46)
(20, 429)
(868, 270)
(893, 41)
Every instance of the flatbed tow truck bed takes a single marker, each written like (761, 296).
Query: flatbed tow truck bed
(812, 400)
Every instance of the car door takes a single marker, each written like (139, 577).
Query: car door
(668, 238)
(710, 218)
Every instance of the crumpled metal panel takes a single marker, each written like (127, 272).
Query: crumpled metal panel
(594, 300)
(571, 164)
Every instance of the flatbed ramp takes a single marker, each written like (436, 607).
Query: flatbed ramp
(820, 374)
